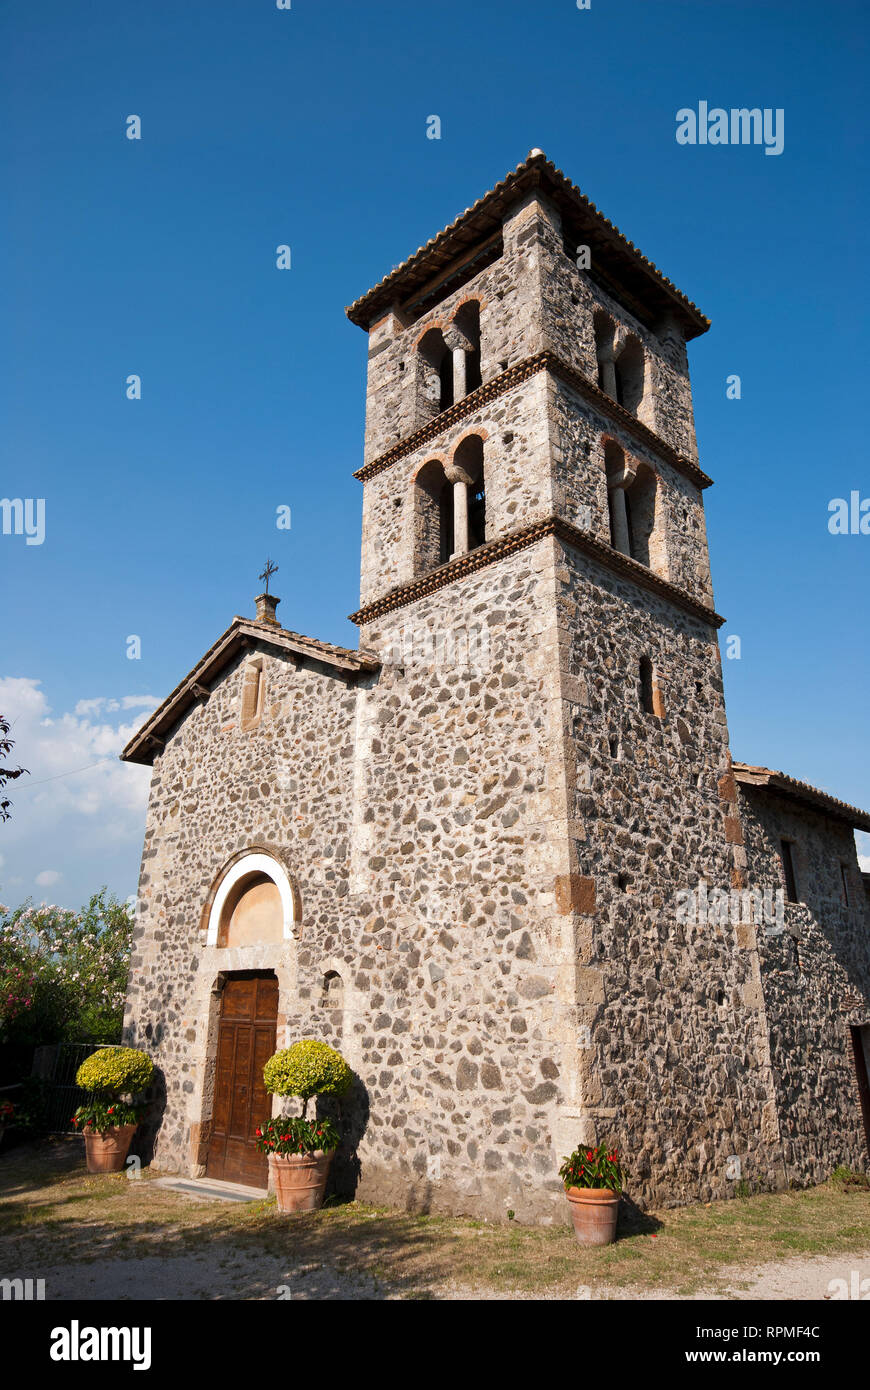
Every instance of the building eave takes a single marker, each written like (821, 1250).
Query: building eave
(196, 686)
(612, 253)
(771, 780)
(519, 539)
(521, 371)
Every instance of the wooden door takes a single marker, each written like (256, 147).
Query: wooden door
(246, 1040)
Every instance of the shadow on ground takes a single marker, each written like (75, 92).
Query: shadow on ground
(148, 1243)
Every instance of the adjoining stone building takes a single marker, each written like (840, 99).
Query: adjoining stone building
(499, 854)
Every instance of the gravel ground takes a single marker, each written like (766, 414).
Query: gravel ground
(249, 1276)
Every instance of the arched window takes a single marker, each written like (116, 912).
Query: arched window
(252, 913)
(435, 366)
(614, 465)
(468, 478)
(629, 372)
(253, 903)
(467, 320)
(605, 330)
(634, 507)
(621, 364)
(333, 990)
(640, 507)
(433, 517)
(446, 524)
(476, 515)
(445, 381)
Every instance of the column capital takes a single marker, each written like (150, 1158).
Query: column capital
(456, 474)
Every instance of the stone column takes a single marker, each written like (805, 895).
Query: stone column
(457, 345)
(461, 482)
(619, 520)
(459, 361)
(607, 362)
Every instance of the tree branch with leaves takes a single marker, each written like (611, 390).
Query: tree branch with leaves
(7, 774)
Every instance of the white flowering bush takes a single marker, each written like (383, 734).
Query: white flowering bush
(63, 974)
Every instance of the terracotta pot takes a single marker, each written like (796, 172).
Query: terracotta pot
(300, 1179)
(593, 1212)
(106, 1152)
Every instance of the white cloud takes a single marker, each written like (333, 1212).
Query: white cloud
(862, 842)
(47, 878)
(80, 808)
(104, 704)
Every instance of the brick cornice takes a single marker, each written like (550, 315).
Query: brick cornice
(519, 539)
(505, 381)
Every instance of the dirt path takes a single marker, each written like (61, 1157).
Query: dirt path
(244, 1276)
(797, 1279)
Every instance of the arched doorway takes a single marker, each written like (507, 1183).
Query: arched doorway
(251, 916)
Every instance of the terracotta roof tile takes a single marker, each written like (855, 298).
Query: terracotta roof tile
(534, 171)
(752, 775)
(142, 745)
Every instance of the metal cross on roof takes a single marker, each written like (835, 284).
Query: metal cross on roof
(268, 572)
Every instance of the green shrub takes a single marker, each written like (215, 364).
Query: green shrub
(845, 1179)
(308, 1068)
(116, 1071)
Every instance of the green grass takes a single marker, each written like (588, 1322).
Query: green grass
(53, 1212)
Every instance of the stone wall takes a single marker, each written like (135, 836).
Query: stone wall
(286, 785)
(816, 979)
(675, 1067)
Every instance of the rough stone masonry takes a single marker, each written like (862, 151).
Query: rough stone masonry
(475, 829)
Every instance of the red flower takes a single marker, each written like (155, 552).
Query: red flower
(588, 1153)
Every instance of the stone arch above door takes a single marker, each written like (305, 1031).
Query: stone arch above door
(253, 901)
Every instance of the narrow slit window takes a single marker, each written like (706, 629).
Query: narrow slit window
(646, 686)
(253, 692)
(786, 853)
(844, 880)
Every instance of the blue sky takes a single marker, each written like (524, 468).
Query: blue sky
(307, 127)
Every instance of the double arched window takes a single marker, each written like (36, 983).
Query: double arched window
(450, 506)
(448, 361)
(621, 367)
(634, 507)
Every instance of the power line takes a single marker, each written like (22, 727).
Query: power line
(72, 772)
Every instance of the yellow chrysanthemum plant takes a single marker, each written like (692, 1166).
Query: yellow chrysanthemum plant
(308, 1068)
(113, 1077)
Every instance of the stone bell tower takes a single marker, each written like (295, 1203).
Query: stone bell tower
(543, 765)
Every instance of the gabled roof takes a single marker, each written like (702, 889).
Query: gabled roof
(196, 685)
(750, 776)
(644, 288)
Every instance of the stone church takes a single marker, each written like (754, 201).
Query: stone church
(499, 854)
